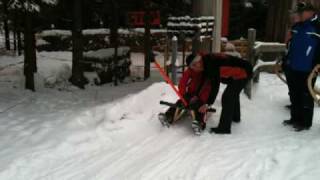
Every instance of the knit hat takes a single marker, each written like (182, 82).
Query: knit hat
(304, 6)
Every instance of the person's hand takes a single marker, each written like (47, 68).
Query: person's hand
(194, 99)
(203, 109)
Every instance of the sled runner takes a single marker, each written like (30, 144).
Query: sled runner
(179, 112)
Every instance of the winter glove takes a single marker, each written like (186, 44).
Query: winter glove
(203, 109)
(180, 104)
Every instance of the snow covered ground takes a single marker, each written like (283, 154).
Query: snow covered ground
(112, 133)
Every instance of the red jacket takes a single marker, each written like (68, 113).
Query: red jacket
(195, 84)
(231, 70)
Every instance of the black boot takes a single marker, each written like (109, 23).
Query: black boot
(289, 122)
(288, 106)
(219, 131)
(298, 127)
(236, 120)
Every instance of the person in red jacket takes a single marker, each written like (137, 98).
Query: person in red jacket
(195, 89)
(230, 70)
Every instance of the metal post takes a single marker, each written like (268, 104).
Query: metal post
(196, 42)
(217, 26)
(251, 58)
(174, 59)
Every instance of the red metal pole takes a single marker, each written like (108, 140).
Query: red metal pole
(225, 18)
(166, 78)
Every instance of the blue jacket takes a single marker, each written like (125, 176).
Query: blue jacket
(303, 52)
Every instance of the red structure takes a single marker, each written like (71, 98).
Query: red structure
(136, 18)
(225, 18)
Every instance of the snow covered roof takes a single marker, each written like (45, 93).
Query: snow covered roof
(106, 53)
(58, 32)
(31, 5)
(191, 25)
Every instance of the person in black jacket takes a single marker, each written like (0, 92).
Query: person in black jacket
(234, 72)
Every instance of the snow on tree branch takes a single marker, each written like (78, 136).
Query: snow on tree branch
(30, 5)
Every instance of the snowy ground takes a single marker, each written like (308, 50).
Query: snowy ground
(113, 133)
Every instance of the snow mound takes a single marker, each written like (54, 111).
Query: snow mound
(52, 73)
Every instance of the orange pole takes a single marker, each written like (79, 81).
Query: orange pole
(168, 80)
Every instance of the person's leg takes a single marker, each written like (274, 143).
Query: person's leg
(199, 118)
(307, 106)
(294, 98)
(169, 114)
(237, 113)
(240, 85)
(228, 107)
(287, 75)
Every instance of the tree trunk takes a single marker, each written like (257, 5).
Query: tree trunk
(77, 78)
(114, 38)
(30, 66)
(6, 25)
(147, 40)
(277, 21)
(19, 42)
(15, 28)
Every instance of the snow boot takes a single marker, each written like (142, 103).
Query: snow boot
(219, 131)
(196, 126)
(164, 120)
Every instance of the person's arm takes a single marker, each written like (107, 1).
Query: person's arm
(205, 92)
(316, 22)
(183, 83)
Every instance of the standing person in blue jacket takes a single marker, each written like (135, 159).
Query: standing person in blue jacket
(295, 21)
(303, 55)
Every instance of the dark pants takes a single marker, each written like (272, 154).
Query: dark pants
(301, 99)
(287, 75)
(231, 104)
(199, 116)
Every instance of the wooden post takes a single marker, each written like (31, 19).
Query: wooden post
(251, 58)
(166, 56)
(147, 40)
(183, 54)
(174, 59)
(196, 42)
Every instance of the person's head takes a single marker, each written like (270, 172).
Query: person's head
(230, 47)
(224, 42)
(194, 62)
(295, 18)
(305, 10)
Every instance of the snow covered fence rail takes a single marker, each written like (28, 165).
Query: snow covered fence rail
(268, 54)
(94, 39)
